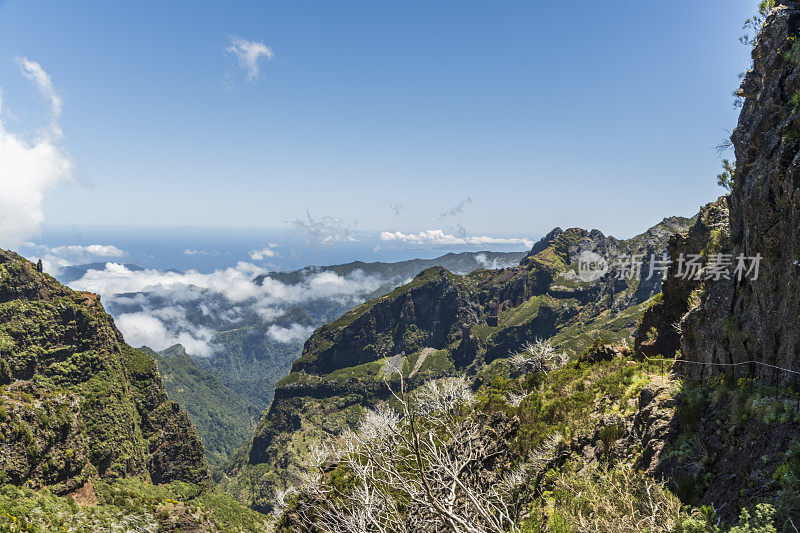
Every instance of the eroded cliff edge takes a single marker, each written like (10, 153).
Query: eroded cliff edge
(77, 402)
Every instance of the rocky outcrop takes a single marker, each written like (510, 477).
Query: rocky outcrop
(659, 332)
(655, 426)
(757, 318)
(605, 352)
(709, 449)
(77, 401)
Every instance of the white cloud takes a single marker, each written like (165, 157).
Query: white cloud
(293, 333)
(58, 257)
(495, 263)
(29, 169)
(248, 54)
(98, 250)
(147, 329)
(34, 72)
(234, 284)
(437, 236)
(161, 300)
(140, 329)
(191, 251)
(323, 230)
(267, 251)
(268, 314)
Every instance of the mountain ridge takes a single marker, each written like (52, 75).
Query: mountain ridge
(442, 321)
(57, 342)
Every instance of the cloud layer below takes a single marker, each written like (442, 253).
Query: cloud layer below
(266, 251)
(55, 259)
(166, 304)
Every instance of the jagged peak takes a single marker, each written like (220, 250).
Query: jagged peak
(545, 241)
(433, 271)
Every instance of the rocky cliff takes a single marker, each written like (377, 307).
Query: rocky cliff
(76, 402)
(660, 331)
(755, 316)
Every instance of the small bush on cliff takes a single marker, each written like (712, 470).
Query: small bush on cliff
(792, 55)
(788, 476)
(753, 25)
(538, 356)
(760, 522)
(609, 435)
(725, 179)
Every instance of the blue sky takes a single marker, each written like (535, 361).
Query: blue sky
(594, 114)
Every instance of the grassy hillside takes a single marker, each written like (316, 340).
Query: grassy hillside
(127, 505)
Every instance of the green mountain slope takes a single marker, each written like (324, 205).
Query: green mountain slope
(79, 402)
(438, 324)
(88, 439)
(222, 417)
(248, 360)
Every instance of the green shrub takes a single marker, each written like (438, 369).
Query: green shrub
(690, 407)
(614, 500)
(754, 24)
(792, 55)
(726, 178)
(760, 523)
(609, 435)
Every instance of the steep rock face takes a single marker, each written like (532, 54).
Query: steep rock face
(660, 329)
(55, 454)
(439, 324)
(76, 400)
(758, 318)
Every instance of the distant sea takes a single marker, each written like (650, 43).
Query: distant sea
(209, 249)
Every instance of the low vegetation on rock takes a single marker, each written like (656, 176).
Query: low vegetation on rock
(88, 439)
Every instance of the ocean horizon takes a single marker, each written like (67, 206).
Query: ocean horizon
(208, 249)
